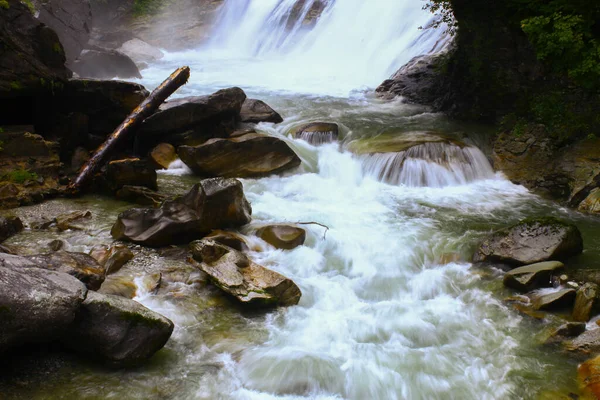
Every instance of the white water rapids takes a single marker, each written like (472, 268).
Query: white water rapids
(391, 308)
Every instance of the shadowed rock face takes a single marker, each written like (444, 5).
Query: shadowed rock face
(248, 156)
(211, 204)
(9, 226)
(105, 64)
(255, 111)
(250, 283)
(36, 305)
(531, 241)
(118, 330)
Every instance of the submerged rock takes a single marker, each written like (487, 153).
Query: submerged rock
(65, 221)
(211, 204)
(282, 236)
(36, 305)
(255, 111)
(118, 330)
(531, 241)
(318, 132)
(533, 276)
(250, 283)
(248, 156)
(587, 302)
(9, 226)
(140, 195)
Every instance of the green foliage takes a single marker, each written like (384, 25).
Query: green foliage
(1, 144)
(146, 7)
(443, 9)
(29, 5)
(57, 48)
(14, 85)
(20, 176)
(4, 4)
(566, 42)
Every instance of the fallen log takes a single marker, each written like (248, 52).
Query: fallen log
(133, 121)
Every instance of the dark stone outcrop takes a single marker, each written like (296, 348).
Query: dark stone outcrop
(250, 283)
(9, 226)
(533, 276)
(36, 305)
(190, 119)
(130, 172)
(561, 299)
(72, 22)
(112, 258)
(248, 156)
(255, 111)
(211, 204)
(120, 331)
(531, 241)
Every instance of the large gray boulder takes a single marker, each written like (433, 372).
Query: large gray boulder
(105, 64)
(211, 204)
(79, 265)
(72, 22)
(36, 305)
(118, 330)
(251, 284)
(531, 241)
(251, 155)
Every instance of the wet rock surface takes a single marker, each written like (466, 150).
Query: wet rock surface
(9, 226)
(533, 276)
(284, 237)
(248, 156)
(105, 64)
(235, 274)
(318, 132)
(255, 111)
(212, 204)
(531, 241)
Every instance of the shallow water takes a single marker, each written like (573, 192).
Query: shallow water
(391, 306)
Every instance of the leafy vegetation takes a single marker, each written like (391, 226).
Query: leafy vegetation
(146, 7)
(29, 5)
(4, 4)
(20, 176)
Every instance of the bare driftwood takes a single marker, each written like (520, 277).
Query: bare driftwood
(143, 111)
(316, 223)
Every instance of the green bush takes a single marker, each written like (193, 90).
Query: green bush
(20, 176)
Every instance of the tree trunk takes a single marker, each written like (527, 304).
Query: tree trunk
(131, 123)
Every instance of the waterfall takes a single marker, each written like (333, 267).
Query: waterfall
(335, 46)
(429, 164)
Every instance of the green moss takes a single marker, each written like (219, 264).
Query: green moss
(15, 85)
(29, 5)
(1, 144)
(20, 176)
(57, 47)
(4, 4)
(551, 221)
(146, 7)
(140, 319)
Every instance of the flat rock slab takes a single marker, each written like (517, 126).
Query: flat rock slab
(534, 276)
(250, 283)
(531, 241)
(118, 330)
(36, 305)
(248, 156)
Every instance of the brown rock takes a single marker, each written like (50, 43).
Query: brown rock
(282, 236)
(248, 156)
(229, 239)
(112, 258)
(9, 226)
(588, 375)
(250, 283)
(587, 302)
(163, 155)
(141, 195)
(255, 111)
(533, 276)
(65, 221)
(318, 132)
(130, 172)
(555, 300)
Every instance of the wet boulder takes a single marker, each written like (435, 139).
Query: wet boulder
(284, 237)
(163, 155)
(130, 172)
(9, 226)
(531, 241)
(585, 344)
(119, 331)
(212, 204)
(591, 204)
(588, 375)
(318, 132)
(105, 64)
(112, 258)
(229, 239)
(79, 265)
(67, 221)
(140, 51)
(251, 284)
(533, 276)
(248, 156)
(255, 111)
(36, 305)
(194, 118)
(587, 302)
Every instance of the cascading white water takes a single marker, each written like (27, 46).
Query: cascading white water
(429, 164)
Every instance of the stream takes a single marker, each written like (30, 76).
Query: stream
(391, 306)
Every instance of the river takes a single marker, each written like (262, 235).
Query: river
(391, 307)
